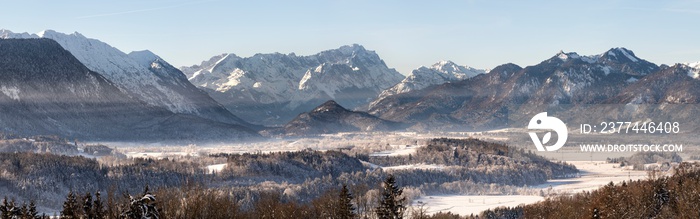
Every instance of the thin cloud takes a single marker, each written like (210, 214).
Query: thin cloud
(143, 10)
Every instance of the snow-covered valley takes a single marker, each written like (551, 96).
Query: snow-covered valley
(592, 174)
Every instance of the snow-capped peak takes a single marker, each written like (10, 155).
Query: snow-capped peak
(351, 49)
(6, 34)
(202, 68)
(444, 63)
(564, 56)
(438, 73)
(446, 66)
(694, 70)
(618, 54)
(144, 57)
(130, 75)
(621, 51)
(453, 70)
(294, 82)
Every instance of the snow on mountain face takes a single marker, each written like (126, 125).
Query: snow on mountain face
(273, 88)
(363, 69)
(483, 100)
(694, 71)
(45, 90)
(624, 52)
(144, 57)
(190, 71)
(118, 67)
(438, 73)
(6, 34)
(572, 55)
(127, 73)
(620, 59)
(670, 85)
(137, 74)
(271, 74)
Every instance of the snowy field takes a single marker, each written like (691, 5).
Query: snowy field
(421, 166)
(468, 204)
(397, 150)
(215, 168)
(593, 175)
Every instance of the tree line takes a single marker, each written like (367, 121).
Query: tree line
(196, 201)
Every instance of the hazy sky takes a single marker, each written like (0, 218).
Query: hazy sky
(406, 34)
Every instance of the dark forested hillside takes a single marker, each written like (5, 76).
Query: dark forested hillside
(294, 166)
(46, 178)
(481, 161)
(330, 117)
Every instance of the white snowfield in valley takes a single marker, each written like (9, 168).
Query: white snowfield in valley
(399, 150)
(215, 168)
(421, 166)
(466, 205)
(593, 176)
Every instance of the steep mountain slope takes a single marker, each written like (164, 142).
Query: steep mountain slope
(671, 94)
(672, 85)
(142, 75)
(438, 73)
(273, 88)
(205, 106)
(508, 91)
(45, 90)
(190, 70)
(695, 69)
(330, 117)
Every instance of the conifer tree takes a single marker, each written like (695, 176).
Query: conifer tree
(14, 209)
(32, 212)
(345, 208)
(391, 205)
(143, 207)
(24, 211)
(4, 209)
(70, 207)
(98, 207)
(87, 206)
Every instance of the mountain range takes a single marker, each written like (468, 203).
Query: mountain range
(271, 89)
(567, 82)
(96, 91)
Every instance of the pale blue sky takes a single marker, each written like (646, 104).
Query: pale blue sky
(406, 34)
